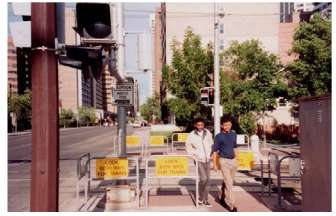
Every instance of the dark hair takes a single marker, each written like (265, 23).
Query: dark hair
(225, 118)
(199, 119)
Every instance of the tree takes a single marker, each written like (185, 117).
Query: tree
(259, 80)
(254, 84)
(151, 108)
(310, 73)
(21, 106)
(187, 74)
(66, 117)
(87, 116)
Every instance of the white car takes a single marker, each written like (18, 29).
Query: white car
(136, 124)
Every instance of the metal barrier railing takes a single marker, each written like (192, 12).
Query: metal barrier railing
(135, 161)
(178, 138)
(83, 170)
(89, 179)
(274, 165)
(165, 172)
(157, 141)
(134, 142)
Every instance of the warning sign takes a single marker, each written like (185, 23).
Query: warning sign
(157, 140)
(172, 166)
(112, 168)
(245, 160)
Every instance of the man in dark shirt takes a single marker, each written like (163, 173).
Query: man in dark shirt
(226, 147)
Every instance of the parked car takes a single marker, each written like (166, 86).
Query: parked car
(136, 124)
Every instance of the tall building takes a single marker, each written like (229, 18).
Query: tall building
(289, 21)
(24, 69)
(157, 41)
(12, 68)
(241, 21)
(306, 9)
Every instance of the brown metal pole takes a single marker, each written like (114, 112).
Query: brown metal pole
(45, 141)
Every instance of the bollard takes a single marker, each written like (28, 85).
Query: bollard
(255, 147)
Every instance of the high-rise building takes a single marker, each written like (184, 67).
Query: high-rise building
(240, 21)
(24, 69)
(158, 61)
(289, 21)
(306, 9)
(12, 68)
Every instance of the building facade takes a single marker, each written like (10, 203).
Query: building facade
(12, 68)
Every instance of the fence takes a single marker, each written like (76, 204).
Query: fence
(170, 167)
(274, 164)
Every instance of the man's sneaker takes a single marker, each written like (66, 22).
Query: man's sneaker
(199, 202)
(234, 209)
(207, 204)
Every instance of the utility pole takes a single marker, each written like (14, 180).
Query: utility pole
(216, 77)
(121, 109)
(45, 133)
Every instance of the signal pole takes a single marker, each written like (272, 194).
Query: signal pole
(45, 133)
(121, 109)
(216, 77)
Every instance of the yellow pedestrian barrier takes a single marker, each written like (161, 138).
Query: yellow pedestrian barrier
(133, 141)
(180, 139)
(245, 160)
(157, 140)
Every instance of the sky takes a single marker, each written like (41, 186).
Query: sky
(136, 20)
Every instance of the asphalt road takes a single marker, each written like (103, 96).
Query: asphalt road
(73, 143)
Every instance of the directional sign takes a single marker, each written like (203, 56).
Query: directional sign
(123, 95)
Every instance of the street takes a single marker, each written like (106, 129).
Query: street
(73, 143)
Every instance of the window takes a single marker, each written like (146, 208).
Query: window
(286, 12)
(221, 28)
(221, 45)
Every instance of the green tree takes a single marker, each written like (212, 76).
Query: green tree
(259, 80)
(187, 74)
(87, 116)
(310, 73)
(21, 106)
(150, 108)
(254, 84)
(66, 117)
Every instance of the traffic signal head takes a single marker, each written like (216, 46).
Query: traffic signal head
(205, 96)
(91, 60)
(94, 20)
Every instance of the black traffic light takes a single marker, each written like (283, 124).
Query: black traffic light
(205, 96)
(94, 20)
(91, 60)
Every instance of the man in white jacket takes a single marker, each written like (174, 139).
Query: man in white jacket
(199, 144)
